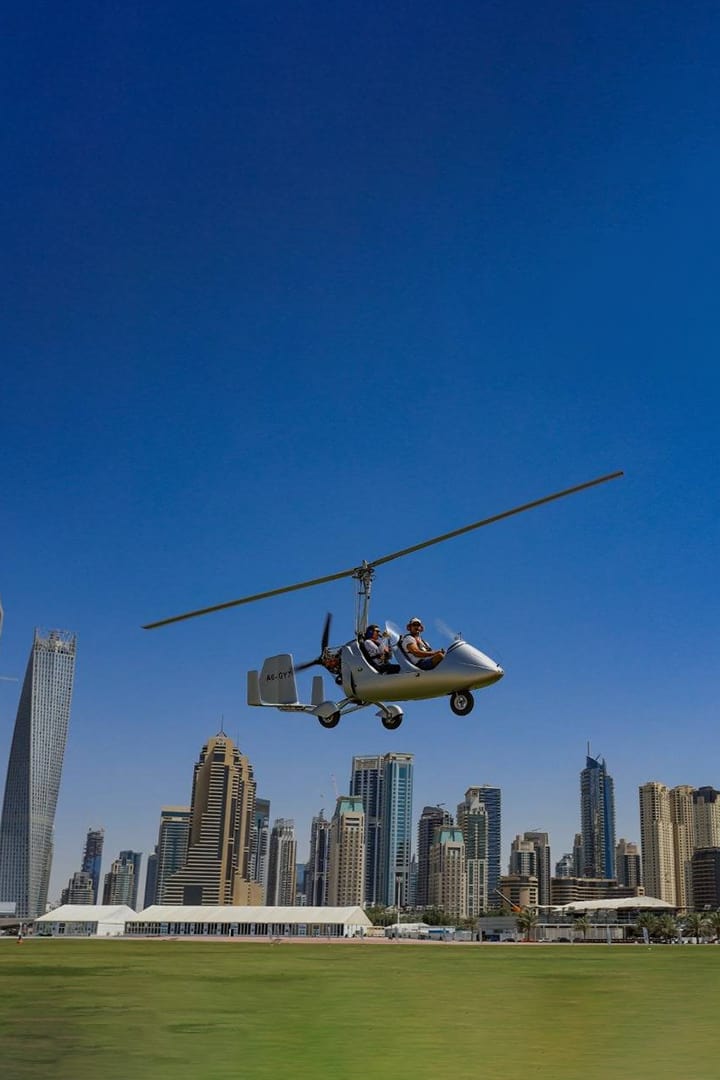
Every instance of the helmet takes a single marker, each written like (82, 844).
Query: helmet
(371, 630)
(416, 622)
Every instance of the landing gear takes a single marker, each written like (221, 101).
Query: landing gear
(461, 702)
(391, 716)
(329, 721)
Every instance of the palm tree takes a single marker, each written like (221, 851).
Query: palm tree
(647, 921)
(695, 924)
(527, 920)
(713, 923)
(667, 927)
(583, 925)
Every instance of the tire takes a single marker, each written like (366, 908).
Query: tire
(329, 721)
(462, 702)
(392, 723)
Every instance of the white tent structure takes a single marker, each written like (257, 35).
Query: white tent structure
(175, 920)
(626, 903)
(84, 920)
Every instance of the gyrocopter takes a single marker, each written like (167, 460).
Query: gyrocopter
(461, 669)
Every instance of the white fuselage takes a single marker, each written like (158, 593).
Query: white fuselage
(462, 668)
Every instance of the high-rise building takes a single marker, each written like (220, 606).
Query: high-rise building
(79, 889)
(472, 820)
(282, 886)
(491, 798)
(34, 770)
(683, 822)
(578, 860)
(431, 819)
(656, 842)
(150, 894)
(318, 864)
(92, 858)
(541, 843)
(706, 879)
(172, 846)
(628, 863)
(706, 804)
(597, 819)
(565, 866)
(448, 883)
(522, 857)
(216, 868)
(385, 785)
(259, 845)
(122, 880)
(346, 872)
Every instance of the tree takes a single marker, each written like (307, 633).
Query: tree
(713, 923)
(648, 921)
(527, 920)
(695, 923)
(667, 927)
(583, 925)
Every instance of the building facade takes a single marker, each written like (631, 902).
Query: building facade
(79, 890)
(92, 857)
(683, 829)
(431, 818)
(597, 819)
(472, 820)
(217, 866)
(122, 880)
(491, 798)
(282, 857)
(259, 845)
(34, 771)
(448, 880)
(318, 865)
(706, 879)
(541, 844)
(628, 863)
(172, 846)
(656, 842)
(385, 785)
(347, 858)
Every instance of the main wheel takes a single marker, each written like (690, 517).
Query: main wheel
(461, 702)
(330, 721)
(392, 723)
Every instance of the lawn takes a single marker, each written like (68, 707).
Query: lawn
(131, 1010)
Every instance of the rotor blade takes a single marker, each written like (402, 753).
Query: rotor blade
(495, 517)
(251, 599)
(326, 633)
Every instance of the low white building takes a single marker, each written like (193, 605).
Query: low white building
(84, 920)
(176, 920)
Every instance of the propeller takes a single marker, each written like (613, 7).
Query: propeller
(323, 646)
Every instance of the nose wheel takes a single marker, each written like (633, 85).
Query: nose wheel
(329, 721)
(462, 702)
(391, 717)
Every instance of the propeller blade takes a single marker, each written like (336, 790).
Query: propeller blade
(326, 632)
(494, 518)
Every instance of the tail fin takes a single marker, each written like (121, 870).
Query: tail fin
(276, 684)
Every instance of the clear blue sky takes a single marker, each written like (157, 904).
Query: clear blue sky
(287, 286)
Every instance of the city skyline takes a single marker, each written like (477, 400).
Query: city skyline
(360, 281)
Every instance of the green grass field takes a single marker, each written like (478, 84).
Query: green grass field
(133, 1010)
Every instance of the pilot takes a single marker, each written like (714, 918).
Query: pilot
(378, 652)
(418, 651)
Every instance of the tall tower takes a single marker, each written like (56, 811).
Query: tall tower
(523, 859)
(318, 865)
(281, 885)
(656, 840)
(34, 769)
(431, 819)
(683, 822)
(396, 837)
(92, 858)
(216, 869)
(597, 819)
(628, 864)
(472, 819)
(448, 884)
(122, 880)
(491, 799)
(347, 852)
(172, 846)
(541, 843)
(366, 783)
(259, 844)
(706, 805)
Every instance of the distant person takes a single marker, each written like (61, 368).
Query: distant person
(378, 651)
(418, 651)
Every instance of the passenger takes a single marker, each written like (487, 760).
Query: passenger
(378, 652)
(418, 651)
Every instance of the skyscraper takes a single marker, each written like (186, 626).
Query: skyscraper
(259, 845)
(541, 843)
(706, 805)
(628, 864)
(656, 841)
(150, 895)
(683, 822)
(172, 846)
(347, 852)
(92, 858)
(318, 864)
(216, 868)
(597, 819)
(34, 770)
(385, 785)
(281, 886)
(472, 819)
(79, 889)
(491, 798)
(122, 880)
(448, 884)
(432, 818)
